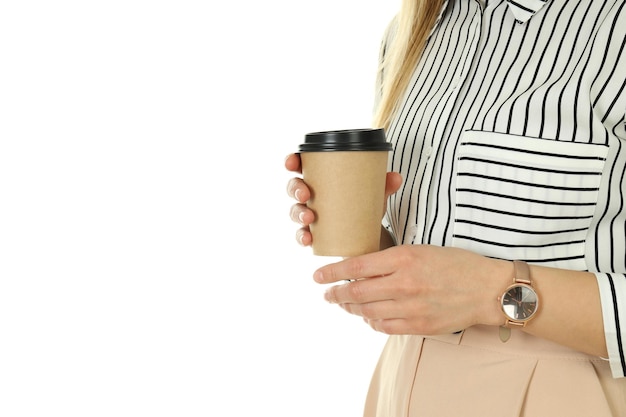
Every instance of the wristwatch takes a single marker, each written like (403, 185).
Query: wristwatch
(519, 302)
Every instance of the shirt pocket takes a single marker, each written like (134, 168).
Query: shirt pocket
(526, 198)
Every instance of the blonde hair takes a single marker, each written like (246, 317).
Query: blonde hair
(403, 49)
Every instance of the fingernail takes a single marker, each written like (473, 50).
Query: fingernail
(297, 194)
(318, 277)
(301, 217)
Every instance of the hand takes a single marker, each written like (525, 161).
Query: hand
(297, 189)
(418, 289)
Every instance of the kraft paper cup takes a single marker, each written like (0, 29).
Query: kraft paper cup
(346, 173)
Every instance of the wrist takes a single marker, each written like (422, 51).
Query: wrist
(500, 276)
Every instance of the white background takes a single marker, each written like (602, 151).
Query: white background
(148, 266)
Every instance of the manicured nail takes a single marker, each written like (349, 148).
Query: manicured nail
(301, 217)
(297, 194)
(318, 277)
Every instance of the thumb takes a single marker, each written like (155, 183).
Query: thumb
(394, 181)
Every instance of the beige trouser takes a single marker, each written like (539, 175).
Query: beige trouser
(474, 374)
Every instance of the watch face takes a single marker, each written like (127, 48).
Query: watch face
(520, 302)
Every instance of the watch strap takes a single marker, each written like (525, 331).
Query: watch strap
(522, 273)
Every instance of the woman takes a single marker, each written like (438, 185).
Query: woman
(508, 120)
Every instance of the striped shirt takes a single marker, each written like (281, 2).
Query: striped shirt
(511, 140)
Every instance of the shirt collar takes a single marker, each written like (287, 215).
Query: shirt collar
(522, 9)
(525, 9)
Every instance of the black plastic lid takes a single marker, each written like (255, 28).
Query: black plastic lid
(346, 140)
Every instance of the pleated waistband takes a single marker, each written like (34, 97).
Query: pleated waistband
(475, 374)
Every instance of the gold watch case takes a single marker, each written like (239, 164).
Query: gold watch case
(520, 303)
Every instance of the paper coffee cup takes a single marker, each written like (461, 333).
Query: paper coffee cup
(346, 173)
